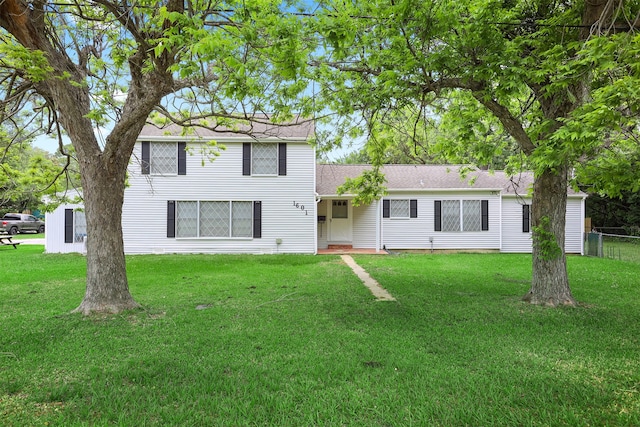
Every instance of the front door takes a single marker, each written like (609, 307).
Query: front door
(340, 221)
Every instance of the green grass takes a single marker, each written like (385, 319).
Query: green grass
(27, 236)
(298, 341)
(621, 248)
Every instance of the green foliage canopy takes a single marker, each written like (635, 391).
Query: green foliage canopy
(559, 79)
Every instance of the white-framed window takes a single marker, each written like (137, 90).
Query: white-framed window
(399, 208)
(79, 226)
(264, 159)
(461, 215)
(451, 215)
(471, 215)
(187, 219)
(75, 226)
(163, 158)
(214, 219)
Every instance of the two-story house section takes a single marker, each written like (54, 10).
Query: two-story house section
(264, 194)
(256, 196)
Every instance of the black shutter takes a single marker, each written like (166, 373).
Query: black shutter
(413, 208)
(182, 158)
(437, 208)
(257, 220)
(246, 158)
(171, 218)
(386, 208)
(485, 214)
(282, 158)
(68, 225)
(146, 157)
(526, 218)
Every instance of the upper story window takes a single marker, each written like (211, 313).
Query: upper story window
(260, 158)
(164, 158)
(461, 215)
(264, 159)
(400, 208)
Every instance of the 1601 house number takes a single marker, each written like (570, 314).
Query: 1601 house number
(301, 207)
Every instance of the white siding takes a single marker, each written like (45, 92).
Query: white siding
(419, 233)
(574, 228)
(54, 237)
(364, 226)
(144, 218)
(514, 240)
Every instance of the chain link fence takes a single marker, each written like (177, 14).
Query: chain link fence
(614, 246)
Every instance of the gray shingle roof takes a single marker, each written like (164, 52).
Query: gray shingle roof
(297, 129)
(424, 177)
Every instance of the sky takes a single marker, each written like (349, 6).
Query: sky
(46, 143)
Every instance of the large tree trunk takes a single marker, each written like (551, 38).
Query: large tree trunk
(107, 288)
(102, 171)
(550, 283)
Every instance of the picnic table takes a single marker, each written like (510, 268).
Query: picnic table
(7, 241)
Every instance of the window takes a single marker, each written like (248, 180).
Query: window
(340, 209)
(471, 215)
(79, 226)
(264, 158)
(400, 208)
(214, 219)
(526, 218)
(75, 226)
(465, 215)
(164, 158)
(241, 219)
(187, 219)
(451, 215)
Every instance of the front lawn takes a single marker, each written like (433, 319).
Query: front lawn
(299, 341)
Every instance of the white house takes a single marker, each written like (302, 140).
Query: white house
(433, 207)
(264, 193)
(68, 226)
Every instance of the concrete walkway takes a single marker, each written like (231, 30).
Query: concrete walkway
(30, 241)
(378, 291)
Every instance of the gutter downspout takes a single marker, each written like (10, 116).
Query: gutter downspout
(582, 215)
(500, 216)
(379, 227)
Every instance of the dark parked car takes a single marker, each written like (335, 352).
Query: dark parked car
(14, 223)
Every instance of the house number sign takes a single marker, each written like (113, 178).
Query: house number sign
(301, 207)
